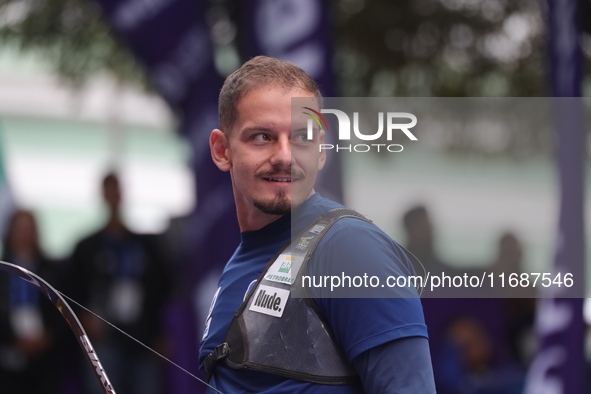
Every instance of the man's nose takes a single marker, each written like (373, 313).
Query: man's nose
(282, 155)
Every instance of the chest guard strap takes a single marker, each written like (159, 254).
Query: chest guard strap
(277, 333)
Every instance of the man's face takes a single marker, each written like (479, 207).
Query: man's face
(273, 165)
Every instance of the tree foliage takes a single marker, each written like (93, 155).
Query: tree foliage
(441, 47)
(70, 35)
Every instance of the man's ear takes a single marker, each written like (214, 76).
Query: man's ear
(322, 158)
(218, 144)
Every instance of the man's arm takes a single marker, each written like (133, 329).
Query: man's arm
(385, 338)
(402, 366)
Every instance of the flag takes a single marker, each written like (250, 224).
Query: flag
(297, 31)
(559, 366)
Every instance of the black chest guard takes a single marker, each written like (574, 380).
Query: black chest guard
(277, 333)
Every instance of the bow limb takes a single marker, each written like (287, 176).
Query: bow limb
(56, 298)
(59, 300)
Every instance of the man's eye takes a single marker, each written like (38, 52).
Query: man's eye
(260, 137)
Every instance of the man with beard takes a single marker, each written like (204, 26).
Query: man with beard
(278, 343)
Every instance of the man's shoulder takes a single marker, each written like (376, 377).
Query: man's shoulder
(348, 230)
(317, 205)
(352, 242)
(358, 231)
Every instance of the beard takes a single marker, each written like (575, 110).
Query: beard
(280, 205)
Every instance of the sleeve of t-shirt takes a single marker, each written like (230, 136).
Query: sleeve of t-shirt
(353, 248)
(400, 366)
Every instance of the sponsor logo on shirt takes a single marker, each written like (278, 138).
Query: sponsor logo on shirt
(286, 265)
(317, 229)
(269, 300)
(304, 243)
(284, 269)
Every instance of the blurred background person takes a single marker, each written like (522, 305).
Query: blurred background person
(120, 275)
(467, 358)
(471, 364)
(420, 239)
(31, 328)
(520, 311)
(509, 257)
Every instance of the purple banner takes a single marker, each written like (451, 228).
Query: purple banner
(298, 31)
(559, 366)
(171, 39)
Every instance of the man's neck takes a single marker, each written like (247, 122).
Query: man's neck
(252, 221)
(115, 225)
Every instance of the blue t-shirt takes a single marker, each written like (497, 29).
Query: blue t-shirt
(359, 324)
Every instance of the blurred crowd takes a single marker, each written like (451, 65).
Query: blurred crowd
(478, 346)
(117, 274)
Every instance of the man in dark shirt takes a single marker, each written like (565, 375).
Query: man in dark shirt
(273, 169)
(119, 274)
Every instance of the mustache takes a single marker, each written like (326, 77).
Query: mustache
(294, 174)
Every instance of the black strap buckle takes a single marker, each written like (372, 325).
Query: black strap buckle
(219, 352)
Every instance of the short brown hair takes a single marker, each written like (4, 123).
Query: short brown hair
(253, 74)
